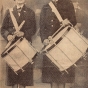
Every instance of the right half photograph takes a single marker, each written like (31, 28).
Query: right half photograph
(64, 33)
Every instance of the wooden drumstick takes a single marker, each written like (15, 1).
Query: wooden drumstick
(9, 43)
(18, 29)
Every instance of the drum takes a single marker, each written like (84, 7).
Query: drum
(19, 54)
(67, 48)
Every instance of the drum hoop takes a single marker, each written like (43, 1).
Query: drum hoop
(60, 29)
(9, 49)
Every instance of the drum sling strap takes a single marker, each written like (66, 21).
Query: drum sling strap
(56, 12)
(17, 28)
(54, 9)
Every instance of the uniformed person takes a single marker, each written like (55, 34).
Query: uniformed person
(20, 12)
(49, 24)
(81, 72)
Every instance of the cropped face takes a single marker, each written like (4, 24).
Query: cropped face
(20, 1)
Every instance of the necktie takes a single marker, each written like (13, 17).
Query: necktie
(19, 10)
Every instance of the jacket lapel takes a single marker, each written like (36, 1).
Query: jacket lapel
(22, 14)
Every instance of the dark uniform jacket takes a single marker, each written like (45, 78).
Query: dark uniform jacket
(48, 25)
(29, 29)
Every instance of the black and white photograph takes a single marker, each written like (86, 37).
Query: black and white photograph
(43, 43)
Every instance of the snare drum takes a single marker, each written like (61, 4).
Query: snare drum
(19, 54)
(69, 46)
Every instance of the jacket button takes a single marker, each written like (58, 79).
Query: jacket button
(13, 27)
(51, 20)
(51, 25)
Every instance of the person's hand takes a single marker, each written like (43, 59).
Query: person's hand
(10, 37)
(77, 27)
(46, 42)
(65, 22)
(50, 38)
(19, 34)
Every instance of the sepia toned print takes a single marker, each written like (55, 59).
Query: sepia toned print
(43, 44)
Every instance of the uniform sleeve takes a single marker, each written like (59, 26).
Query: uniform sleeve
(5, 25)
(42, 24)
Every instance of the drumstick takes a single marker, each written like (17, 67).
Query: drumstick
(17, 30)
(9, 43)
(21, 25)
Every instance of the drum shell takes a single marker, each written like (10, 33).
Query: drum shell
(20, 55)
(71, 47)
